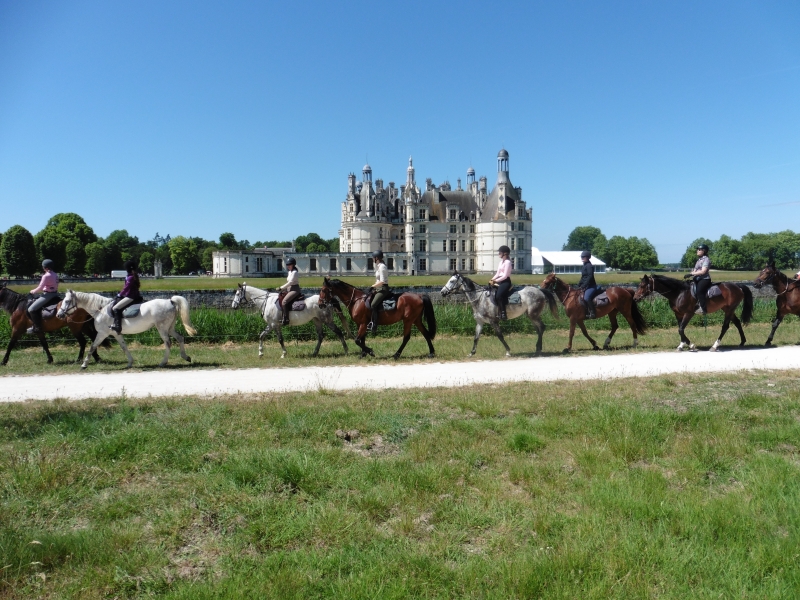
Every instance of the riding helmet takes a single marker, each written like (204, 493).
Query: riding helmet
(586, 254)
(504, 249)
(47, 263)
(703, 247)
(378, 254)
(129, 266)
(290, 261)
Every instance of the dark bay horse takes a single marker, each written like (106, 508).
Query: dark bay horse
(411, 308)
(788, 295)
(683, 304)
(620, 302)
(80, 324)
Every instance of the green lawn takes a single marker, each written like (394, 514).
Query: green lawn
(668, 487)
(211, 283)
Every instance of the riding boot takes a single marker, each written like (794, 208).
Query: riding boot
(590, 314)
(285, 319)
(117, 326)
(373, 325)
(503, 316)
(701, 310)
(36, 317)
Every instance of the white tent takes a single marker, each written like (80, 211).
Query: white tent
(564, 261)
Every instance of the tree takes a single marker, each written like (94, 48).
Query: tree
(582, 238)
(146, 260)
(690, 256)
(76, 257)
(333, 244)
(631, 254)
(207, 258)
(726, 254)
(1, 245)
(600, 247)
(120, 246)
(18, 252)
(95, 258)
(184, 255)
(51, 242)
(75, 225)
(228, 241)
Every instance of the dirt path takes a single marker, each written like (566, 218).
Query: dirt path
(387, 375)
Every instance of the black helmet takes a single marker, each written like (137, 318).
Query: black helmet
(586, 254)
(703, 247)
(129, 266)
(378, 254)
(290, 261)
(504, 249)
(47, 263)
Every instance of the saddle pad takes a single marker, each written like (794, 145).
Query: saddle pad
(601, 300)
(129, 313)
(390, 304)
(515, 298)
(48, 312)
(714, 291)
(298, 306)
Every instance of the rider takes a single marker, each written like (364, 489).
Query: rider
(381, 286)
(49, 286)
(588, 284)
(292, 285)
(702, 278)
(502, 279)
(129, 295)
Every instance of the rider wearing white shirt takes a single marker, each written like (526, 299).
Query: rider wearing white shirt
(381, 285)
(293, 285)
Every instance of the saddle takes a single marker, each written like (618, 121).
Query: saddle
(298, 305)
(130, 311)
(49, 309)
(601, 299)
(713, 291)
(389, 303)
(513, 298)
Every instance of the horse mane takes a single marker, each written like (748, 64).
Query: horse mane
(11, 300)
(91, 302)
(469, 284)
(672, 284)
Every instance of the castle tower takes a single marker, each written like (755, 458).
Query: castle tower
(502, 166)
(470, 176)
(410, 174)
(366, 174)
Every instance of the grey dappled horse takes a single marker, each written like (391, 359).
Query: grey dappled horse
(161, 314)
(533, 302)
(267, 304)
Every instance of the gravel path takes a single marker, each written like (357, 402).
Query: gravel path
(378, 375)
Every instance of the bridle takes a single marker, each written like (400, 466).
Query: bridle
(553, 285)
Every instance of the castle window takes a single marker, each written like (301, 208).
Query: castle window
(472, 228)
(423, 228)
(390, 264)
(370, 265)
(512, 243)
(521, 244)
(312, 264)
(225, 265)
(333, 264)
(452, 214)
(472, 245)
(452, 264)
(247, 268)
(463, 228)
(453, 245)
(279, 264)
(471, 264)
(463, 263)
(349, 234)
(423, 264)
(463, 245)
(423, 246)
(247, 259)
(453, 228)
(444, 245)
(380, 233)
(349, 264)
(423, 213)
(521, 226)
(512, 225)
(349, 247)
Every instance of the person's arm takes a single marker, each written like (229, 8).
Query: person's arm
(702, 270)
(40, 287)
(504, 272)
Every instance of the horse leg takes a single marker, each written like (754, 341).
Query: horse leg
(571, 335)
(725, 325)
(167, 347)
(45, 347)
(318, 325)
(180, 339)
(15, 335)
(630, 321)
(478, 330)
(685, 341)
(612, 317)
(406, 337)
(775, 324)
(361, 341)
(585, 333)
(540, 327)
(499, 333)
(426, 334)
(261, 337)
(332, 326)
(98, 339)
(279, 331)
(81, 344)
(738, 324)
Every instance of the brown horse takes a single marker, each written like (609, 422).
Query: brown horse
(788, 295)
(411, 308)
(620, 302)
(80, 323)
(683, 304)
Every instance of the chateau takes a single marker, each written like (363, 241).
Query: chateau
(432, 231)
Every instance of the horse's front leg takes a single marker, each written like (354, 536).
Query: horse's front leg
(571, 335)
(738, 324)
(775, 323)
(499, 333)
(11, 344)
(361, 340)
(332, 326)
(726, 323)
(685, 341)
(478, 330)
(261, 337)
(81, 344)
(585, 333)
(612, 317)
(279, 333)
(318, 325)
(98, 339)
(406, 337)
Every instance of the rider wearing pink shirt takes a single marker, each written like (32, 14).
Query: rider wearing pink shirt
(49, 288)
(502, 279)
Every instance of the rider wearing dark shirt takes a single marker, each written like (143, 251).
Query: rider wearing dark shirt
(588, 284)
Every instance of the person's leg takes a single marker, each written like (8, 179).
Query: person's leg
(377, 304)
(701, 289)
(119, 306)
(502, 298)
(287, 305)
(588, 296)
(35, 311)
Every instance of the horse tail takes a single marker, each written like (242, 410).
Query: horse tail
(430, 316)
(552, 301)
(183, 309)
(638, 319)
(747, 309)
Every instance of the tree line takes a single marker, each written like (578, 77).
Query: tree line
(750, 252)
(75, 249)
(627, 254)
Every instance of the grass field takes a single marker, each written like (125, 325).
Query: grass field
(211, 283)
(669, 487)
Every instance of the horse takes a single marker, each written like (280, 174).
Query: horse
(787, 299)
(683, 304)
(620, 301)
(410, 308)
(267, 304)
(16, 305)
(161, 314)
(533, 302)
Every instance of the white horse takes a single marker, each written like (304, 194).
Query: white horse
(533, 302)
(267, 304)
(161, 314)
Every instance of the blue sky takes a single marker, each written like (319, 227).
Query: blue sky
(668, 121)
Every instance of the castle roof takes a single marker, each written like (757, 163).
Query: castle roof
(439, 201)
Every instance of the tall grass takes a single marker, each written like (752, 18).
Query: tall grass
(219, 326)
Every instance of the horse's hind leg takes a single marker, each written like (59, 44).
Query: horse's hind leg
(181, 346)
(261, 337)
(45, 347)
(81, 344)
(426, 334)
(725, 325)
(478, 330)
(406, 337)
(632, 323)
(129, 356)
(738, 324)
(585, 333)
(612, 316)
(775, 324)
(318, 325)
(499, 333)
(98, 339)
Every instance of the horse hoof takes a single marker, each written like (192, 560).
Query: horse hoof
(83, 367)
(766, 345)
(596, 348)
(508, 354)
(395, 356)
(188, 359)
(566, 351)
(431, 355)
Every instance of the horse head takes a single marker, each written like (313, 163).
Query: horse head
(68, 305)
(325, 295)
(452, 284)
(550, 281)
(766, 275)
(239, 295)
(646, 287)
